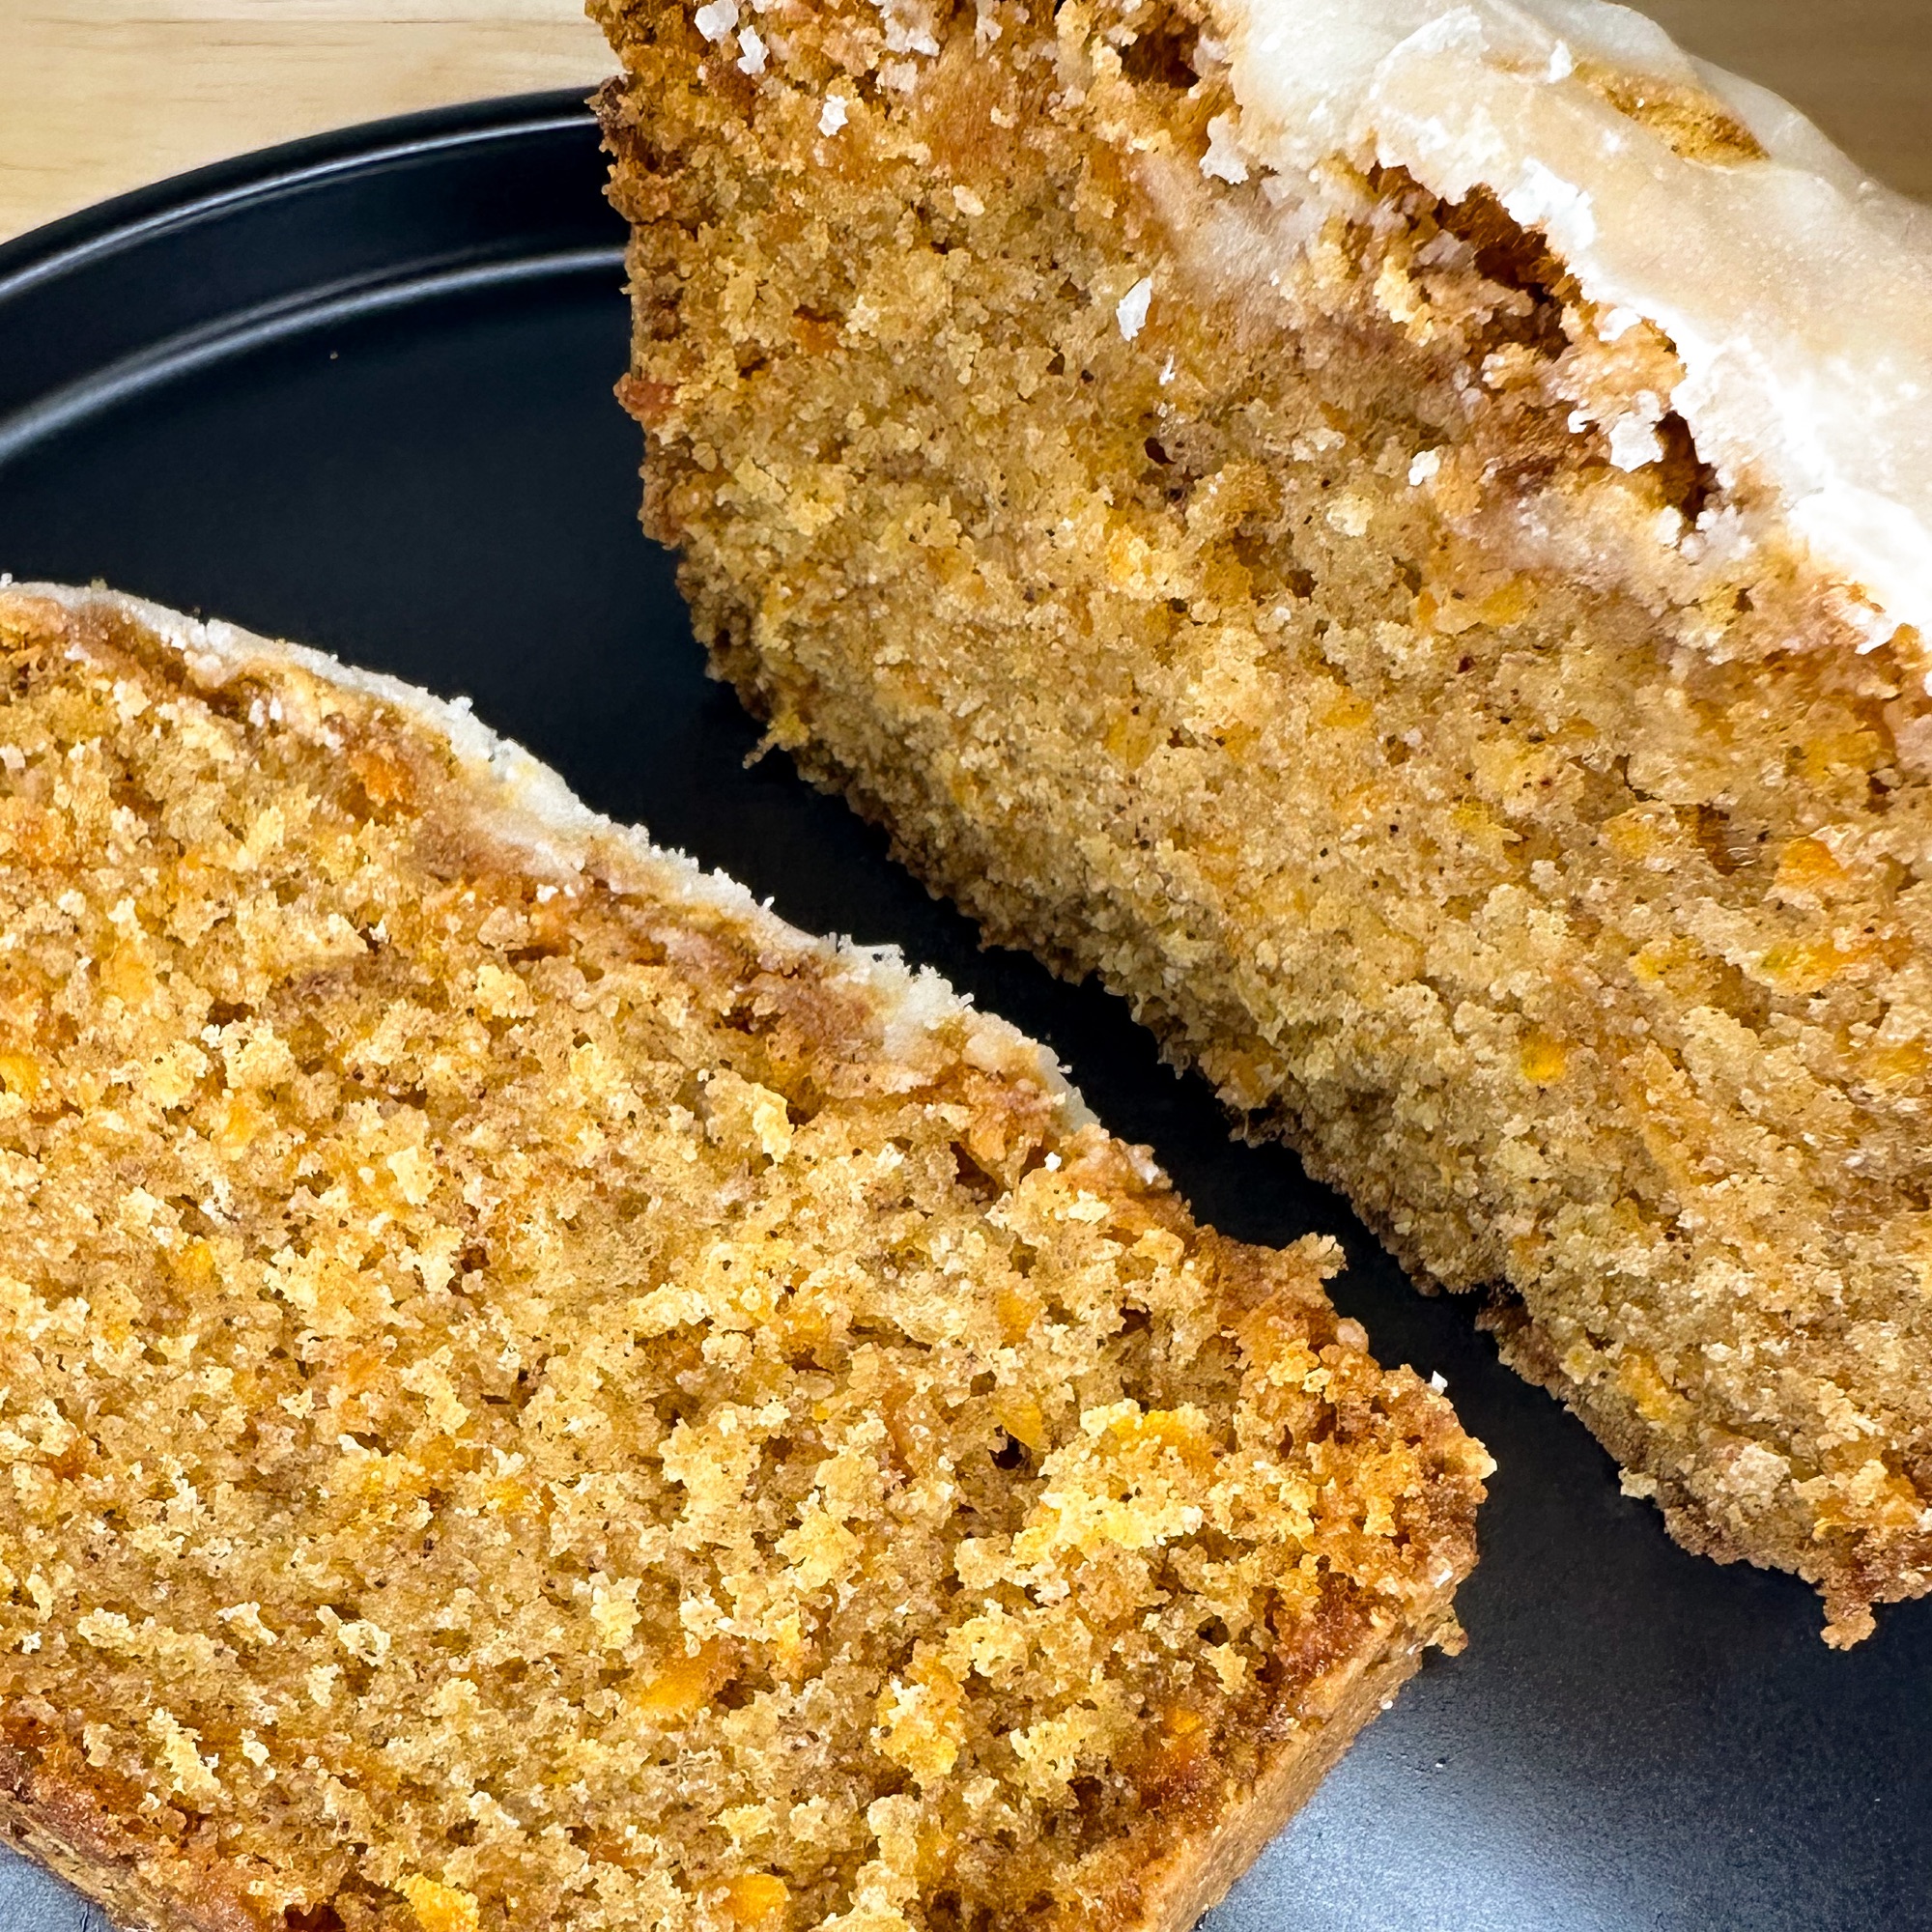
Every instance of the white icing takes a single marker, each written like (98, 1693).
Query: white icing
(1633, 438)
(524, 803)
(1131, 310)
(909, 26)
(1223, 158)
(1797, 292)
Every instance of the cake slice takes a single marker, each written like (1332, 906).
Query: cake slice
(1396, 534)
(537, 1395)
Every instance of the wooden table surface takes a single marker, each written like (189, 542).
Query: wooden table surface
(100, 96)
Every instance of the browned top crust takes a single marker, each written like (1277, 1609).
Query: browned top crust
(536, 1395)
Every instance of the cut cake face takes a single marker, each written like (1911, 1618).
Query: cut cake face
(1396, 534)
(536, 1395)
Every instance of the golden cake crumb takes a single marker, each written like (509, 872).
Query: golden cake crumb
(438, 1907)
(536, 1395)
(1287, 593)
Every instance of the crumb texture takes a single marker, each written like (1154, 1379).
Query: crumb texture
(1290, 597)
(535, 1396)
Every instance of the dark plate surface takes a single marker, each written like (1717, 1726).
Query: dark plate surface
(357, 392)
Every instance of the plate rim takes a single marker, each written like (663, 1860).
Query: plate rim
(85, 234)
(53, 276)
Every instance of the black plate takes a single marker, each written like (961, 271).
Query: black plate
(356, 392)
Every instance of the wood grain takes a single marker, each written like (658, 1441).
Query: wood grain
(100, 96)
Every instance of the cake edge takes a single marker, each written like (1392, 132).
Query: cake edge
(1207, 1867)
(67, 1825)
(527, 804)
(69, 1829)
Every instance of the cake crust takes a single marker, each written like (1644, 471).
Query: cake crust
(382, 1551)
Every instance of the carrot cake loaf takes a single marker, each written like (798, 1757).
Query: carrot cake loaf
(534, 1395)
(1396, 533)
